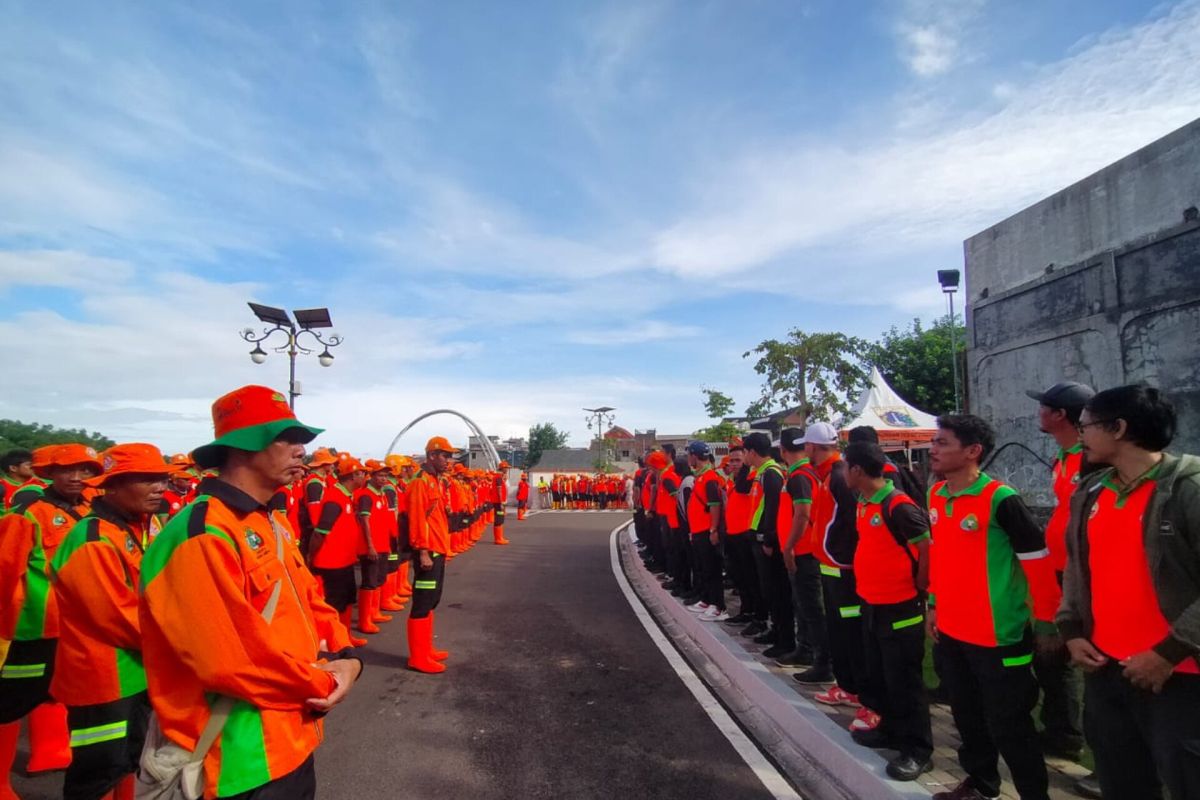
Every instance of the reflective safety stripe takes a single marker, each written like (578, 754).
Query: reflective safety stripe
(1018, 661)
(908, 623)
(424, 584)
(833, 572)
(850, 612)
(393, 556)
(19, 671)
(98, 734)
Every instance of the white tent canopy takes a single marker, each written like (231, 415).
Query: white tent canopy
(897, 422)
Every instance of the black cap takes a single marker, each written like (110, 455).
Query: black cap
(699, 449)
(1067, 395)
(792, 439)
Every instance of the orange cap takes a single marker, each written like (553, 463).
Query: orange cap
(347, 464)
(249, 418)
(724, 462)
(658, 460)
(132, 459)
(64, 455)
(440, 443)
(504, 465)
(372, 465)
(322, 457)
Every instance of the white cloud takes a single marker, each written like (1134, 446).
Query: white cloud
(63, 269)
(931, 34)
(636, 333)
(904, 193)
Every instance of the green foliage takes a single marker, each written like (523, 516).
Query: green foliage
(30, 435)
(542, 437)
(917, 363)
(718, 432)
(820, 373)
(716, 403)
(606, 458)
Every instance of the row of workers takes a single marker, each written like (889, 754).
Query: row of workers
(129, 639)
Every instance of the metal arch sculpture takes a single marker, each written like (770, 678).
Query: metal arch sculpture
(489, 451)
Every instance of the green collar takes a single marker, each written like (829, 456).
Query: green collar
(1123, 492)
(1070, 451)
(975, 488)
(770, 462)
(877, 498)
(801, 462)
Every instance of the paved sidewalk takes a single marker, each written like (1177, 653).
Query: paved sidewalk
(773, 688)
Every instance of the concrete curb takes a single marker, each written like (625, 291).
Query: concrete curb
(815, 753)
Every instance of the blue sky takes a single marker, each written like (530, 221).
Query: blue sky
(521, 209)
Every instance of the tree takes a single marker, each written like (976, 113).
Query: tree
(31, 435)
(718, 405)
(542, 437)
(917, 363)
(816, 372)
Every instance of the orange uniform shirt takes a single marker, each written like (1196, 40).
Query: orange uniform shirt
(1066, 478)
(428, 525)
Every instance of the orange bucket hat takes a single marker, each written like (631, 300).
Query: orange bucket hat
(132, 459)
(658, 460)
(322, 457)
(372, 465)
(64, 455)
(440, 443)
(249, 418)
(347, 464)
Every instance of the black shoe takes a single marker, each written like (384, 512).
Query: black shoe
(679, 591)
(875, 739)
(691, 599)
(965, 791)
(814, 676)
(1062, 746)
(796, 658)
(754, 629)
(777, 650)
(1088, 786)
(740, 619)
(766, 637)
(908, 768)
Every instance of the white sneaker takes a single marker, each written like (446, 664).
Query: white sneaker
(698, 608)
(714, 614)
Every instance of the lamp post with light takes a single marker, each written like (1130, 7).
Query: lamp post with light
(948, 278)
(307, 322)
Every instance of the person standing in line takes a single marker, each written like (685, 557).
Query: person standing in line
(804, 571)
(768, 492)
(1131, 601)
(429, 532)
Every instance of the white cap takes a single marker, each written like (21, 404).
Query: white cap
(820, 433)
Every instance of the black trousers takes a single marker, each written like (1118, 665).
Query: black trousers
(743, 569)
(679, 557)
(1062, 708)
(667, 542)
(1143, 741)
(707, 558)
(843, 622)
(427, 586)
(106, 745)
(299, 784)
(809, 608)
(25, 677)
(777, 589)
(992, 695)
(893, 686)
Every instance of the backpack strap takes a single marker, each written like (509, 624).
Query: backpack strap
(889, 504)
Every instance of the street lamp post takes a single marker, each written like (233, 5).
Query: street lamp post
(307, 322)
(948, 278)
(600, 418)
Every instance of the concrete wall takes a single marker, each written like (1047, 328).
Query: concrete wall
(1121, 303)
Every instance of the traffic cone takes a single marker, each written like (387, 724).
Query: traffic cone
(434, 653)
(377, 614)
(365, 625)
(420, 642)
(8, 753)
(49, 738)
(345, 618)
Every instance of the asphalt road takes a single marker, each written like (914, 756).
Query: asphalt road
(553, 691)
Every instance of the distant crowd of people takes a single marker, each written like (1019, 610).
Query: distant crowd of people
(844, 565)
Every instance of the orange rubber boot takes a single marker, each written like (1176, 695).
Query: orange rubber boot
(377, 614)
(434, 653)
(345, 618)
(389, 601)
(49, 738)
(125, 789)
(498, 535)
(405, 587)
(8, 754)
(365, 624)
(420, 641)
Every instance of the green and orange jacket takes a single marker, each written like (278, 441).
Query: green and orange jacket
(95, 575)
(29, 537)
(205, 581)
